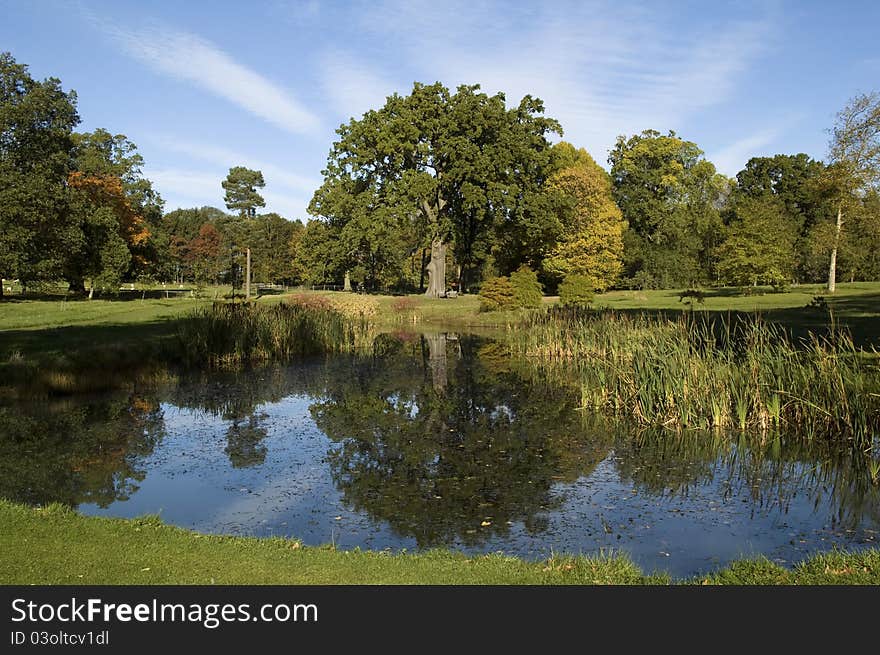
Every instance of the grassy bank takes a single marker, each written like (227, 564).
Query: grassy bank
(65, 345)
(56, 545)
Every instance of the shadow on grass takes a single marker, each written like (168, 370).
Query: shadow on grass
(121, 295)
(68, 340)
(858, 314)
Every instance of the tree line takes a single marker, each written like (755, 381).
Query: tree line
(440, 190)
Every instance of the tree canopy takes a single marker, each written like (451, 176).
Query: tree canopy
(591, 244)
(669, 195)
(759, 243)
(241, 186)
(36, 156)
(438, 180)
(854, 153)
(434, 168)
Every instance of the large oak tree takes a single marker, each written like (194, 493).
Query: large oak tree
(443, 168)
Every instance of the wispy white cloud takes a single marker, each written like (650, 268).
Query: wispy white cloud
(602, 68)
(290, 206)
(190, 187)
(731, 158)
(352, 87)
(193, 59)
(226, 158)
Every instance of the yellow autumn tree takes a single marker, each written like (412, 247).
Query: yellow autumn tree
(592, 238)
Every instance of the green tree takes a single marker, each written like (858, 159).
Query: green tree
(106, 154)
(116, 209)
(860, 248)
(591, 244)
(445, 168)
(36, 124)
(241, 195)
(796, 180)
(854, 153)
(268, 236)
(318, 255)
(791, 178)
(670, 196)
(294, 248)
(759, 244)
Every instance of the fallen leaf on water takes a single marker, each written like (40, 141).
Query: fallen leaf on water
(485, 523)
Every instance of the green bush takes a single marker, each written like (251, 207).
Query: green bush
(526, 288)
(576, 291)
(497, 294)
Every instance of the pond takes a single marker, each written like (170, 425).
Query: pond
(436, 440)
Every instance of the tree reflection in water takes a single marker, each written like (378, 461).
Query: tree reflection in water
(74, 452)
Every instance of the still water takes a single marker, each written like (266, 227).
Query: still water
(434, 441)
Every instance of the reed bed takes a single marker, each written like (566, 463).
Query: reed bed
(691, 371)
(228, 335)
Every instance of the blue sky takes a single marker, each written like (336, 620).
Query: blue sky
(203, 86)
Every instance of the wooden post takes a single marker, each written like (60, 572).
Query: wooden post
(247, 283)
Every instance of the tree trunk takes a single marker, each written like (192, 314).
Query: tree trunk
(1, 288)
(247, 279)
(437, 270)
(422, 274)
(437, 360)
(832, 268)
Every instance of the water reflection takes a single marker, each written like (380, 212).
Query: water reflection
(73, 452)
(435, 440)
(454, 449)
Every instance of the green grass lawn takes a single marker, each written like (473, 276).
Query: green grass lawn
(858, 300)
(56, 545)
(855, 304)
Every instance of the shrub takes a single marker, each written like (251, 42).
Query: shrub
(691, 295)
(404, 304)
(405, 309)
(576, 291)
(348, 305)
(526, 288)
(819, 304)
(497, 294)
(355, 306)
(779, 282)
(310, 301)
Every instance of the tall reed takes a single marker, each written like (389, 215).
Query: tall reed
(733, 373)
(232, 335)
